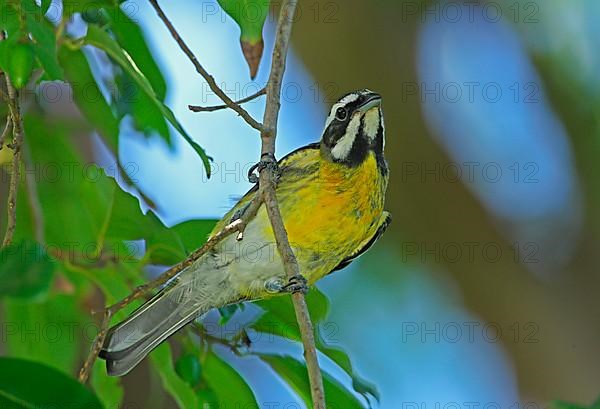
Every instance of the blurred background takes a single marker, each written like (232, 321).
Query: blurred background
(483, 293)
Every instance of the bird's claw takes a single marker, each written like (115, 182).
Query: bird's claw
(296, 284)
(267, 161)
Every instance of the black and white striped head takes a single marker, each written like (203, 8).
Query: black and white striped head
(354, 128)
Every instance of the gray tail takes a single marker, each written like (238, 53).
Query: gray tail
(128, 342)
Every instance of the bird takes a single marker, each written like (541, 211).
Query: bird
(331, 196)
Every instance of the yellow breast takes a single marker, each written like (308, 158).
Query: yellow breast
(333, 213)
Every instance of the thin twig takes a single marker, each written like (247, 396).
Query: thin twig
(197, 108)
(268, 136)
(139, 292)
(6, 131)
(17, 121)
(200, 69)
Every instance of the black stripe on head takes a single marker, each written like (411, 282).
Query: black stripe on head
(353, 128)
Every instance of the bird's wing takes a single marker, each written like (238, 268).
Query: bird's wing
(384, 222)
(291, 165)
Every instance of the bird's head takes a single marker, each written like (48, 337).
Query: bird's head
(354, 128)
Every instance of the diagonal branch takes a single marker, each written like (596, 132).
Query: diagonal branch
(202, 71)
(17, 127)
(267, 188)
(197, 108)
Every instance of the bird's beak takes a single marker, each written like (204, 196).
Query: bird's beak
(373, 100)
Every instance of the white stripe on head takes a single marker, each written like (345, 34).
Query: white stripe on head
(341, 103)
(382, 128)
(372, 123)
(344, 145)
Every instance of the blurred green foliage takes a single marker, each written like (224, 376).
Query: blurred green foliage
(92, 241)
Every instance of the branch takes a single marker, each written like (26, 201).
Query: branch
(6, 131)
(265, 195)
(197, 108)
(17, 125)
(200, 69)
(268, 136)
(235, 226)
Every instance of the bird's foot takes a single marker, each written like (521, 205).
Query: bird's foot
(296, 284)
(267, 161)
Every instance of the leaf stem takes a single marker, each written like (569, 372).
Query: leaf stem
(197, 108)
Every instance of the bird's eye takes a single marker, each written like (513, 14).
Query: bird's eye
(341, 114)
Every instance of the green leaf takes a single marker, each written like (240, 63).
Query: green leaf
(228, 312)
(20, 64)
(341, 358)
(188, 368)
(295, 374)
(558, 404)
(45, 46)
(26, 270)
(45, 6)
(131, 99)
(230, 387)
(25, 384)
(107, 388)
(10, 21)
(181, 392)
(130, 37)
(194, 233)
(250, 15)
(71, 7)
(67, 187)
(280, 318)
(102, 40)
(87, 94)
